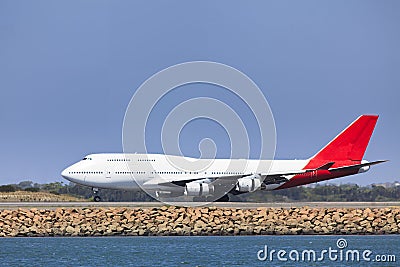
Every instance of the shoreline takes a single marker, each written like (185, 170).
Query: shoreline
(200, 221)
(156, 204)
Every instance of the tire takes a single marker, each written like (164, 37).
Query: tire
(97, 199)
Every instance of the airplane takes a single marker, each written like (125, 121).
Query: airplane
(164, 177)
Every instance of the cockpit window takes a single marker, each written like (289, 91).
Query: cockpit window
(84, 159)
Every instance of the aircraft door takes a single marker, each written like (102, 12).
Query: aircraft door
(107, 172)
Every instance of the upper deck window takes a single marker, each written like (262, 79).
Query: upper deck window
(118, 160)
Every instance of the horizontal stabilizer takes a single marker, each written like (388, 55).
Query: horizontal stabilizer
(357, 166)
(326, 166)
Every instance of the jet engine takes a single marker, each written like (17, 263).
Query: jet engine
(198, 189)
(249, 183)
(365, 168)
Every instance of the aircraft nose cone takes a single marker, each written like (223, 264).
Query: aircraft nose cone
(70, 175)
(65, 174)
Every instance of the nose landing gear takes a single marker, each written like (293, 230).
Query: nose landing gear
(96, 197)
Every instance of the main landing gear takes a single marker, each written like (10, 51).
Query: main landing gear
(96, 197)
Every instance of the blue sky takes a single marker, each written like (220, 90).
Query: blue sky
(69, 68)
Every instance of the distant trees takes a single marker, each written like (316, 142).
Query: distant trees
(347, 192)
(32, 189)
(7, 188)
(25, 184)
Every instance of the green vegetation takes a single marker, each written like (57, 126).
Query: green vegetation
(347, 192)
(7, 188)
(59, 188)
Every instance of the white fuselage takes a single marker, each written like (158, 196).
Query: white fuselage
(128, 171)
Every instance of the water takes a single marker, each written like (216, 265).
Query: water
(190, 251)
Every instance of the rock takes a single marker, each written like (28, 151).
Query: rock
(317, 229)
(70, 229)
(295, 231)
(291, 222)
(169, 220)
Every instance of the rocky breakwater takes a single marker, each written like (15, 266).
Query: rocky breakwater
(197, 221)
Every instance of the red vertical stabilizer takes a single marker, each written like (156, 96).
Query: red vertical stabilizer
(348, 146)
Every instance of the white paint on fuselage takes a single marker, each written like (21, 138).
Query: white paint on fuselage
(126, 171)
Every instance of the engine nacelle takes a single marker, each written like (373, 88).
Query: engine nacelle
(365, 168)
(197, 189)
(249, 183)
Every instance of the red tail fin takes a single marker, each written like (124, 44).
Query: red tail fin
(349, 144)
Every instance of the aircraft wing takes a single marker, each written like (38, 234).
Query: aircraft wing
(227, 183)
(183, 181)
(221, 185)
(225, 178)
